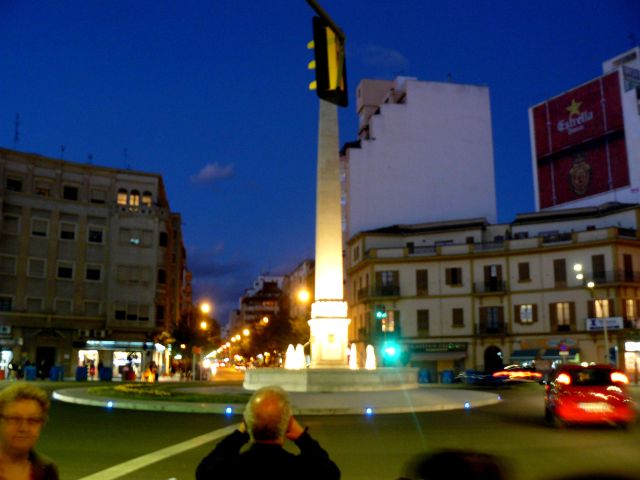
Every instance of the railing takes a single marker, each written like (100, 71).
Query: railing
(490, 286)
(491, 328)
(379, 291)
(558, 237)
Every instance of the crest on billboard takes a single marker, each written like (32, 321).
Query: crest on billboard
(580, 175)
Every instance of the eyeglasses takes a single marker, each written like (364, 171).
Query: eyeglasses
(31, 421)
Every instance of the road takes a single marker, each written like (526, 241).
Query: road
(85, 440)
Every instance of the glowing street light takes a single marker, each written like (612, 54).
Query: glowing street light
(265, 320)
(303, 295)
(203, 325)
(246, 332)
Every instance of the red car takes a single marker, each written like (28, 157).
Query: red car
(594, 394)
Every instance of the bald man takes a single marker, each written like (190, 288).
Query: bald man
(268, 422)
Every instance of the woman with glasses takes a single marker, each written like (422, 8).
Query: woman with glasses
(23, 411)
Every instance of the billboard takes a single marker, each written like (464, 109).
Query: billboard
(579, 142)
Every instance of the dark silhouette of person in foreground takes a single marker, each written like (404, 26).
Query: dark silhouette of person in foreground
(268, 422)
(455, 464)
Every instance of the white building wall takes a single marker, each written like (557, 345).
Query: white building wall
(428, 159)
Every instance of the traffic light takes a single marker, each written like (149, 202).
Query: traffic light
(329, 63)
(381, 312)
(391, 350)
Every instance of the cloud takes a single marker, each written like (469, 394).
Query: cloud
(383, 58)
(212, 172)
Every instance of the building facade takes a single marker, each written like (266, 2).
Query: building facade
(468, 294)
(585, 143)
(92, 264)
(416, 139)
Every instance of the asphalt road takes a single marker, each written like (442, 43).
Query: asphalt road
(85, 440)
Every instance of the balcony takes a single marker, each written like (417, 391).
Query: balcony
(379, 291)
(491, 328)
(491, 286)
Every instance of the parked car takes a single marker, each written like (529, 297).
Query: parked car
(593, 394)
(518, 373)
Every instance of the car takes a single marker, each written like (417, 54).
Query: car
(588, 394)
(518, 374)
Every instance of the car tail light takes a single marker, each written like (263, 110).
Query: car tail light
(619, 377)
(564, 379)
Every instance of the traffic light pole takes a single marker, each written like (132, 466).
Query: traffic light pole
(325, 16)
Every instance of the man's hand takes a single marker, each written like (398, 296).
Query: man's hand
(294, 430)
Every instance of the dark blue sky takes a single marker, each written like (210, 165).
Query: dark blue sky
(213, 96)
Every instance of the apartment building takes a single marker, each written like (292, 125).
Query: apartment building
(467, 294)
(92, 263)
(415, 139)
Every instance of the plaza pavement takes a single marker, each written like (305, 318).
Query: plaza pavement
(423, 399)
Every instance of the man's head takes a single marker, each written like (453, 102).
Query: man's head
(23, 411)
(267, 415)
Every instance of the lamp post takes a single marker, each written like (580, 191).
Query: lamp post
(591, 285)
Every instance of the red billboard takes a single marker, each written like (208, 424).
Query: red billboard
(579, 142)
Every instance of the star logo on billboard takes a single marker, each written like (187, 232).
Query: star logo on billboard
(577, 119)
(574, 108)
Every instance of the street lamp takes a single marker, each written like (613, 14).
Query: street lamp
(591, 288)
(246, 332)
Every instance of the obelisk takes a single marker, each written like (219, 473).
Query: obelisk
(329, 323)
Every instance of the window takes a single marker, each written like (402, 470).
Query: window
(163, 240)
(120, 312)
(95, 234)
(159, 313)
(525, 314)
(600, 308)
(630, 309)
(134, 198)
(122, 197)
(162, 276)
(34, 304)
(388, 324)
(65, 270)
(453, 277)
(63, 306)
(67, 231)
(10, 224)
(562, 316)
(93, 273)
(97, 195)
(560, 272)
(597, 267)
(5, 304)
(14, 184)
(457, 315)
(356, 253)
(386, 279)
(423, 323)
(92, 308)
(143, 313)
(42, 188)
(523, 272)
(132, 313)
(147, 199)
(39, 227)
(36, 267)
(422, 282)
(7, 265)
(627, 262)
(70, 192)
(491, 320)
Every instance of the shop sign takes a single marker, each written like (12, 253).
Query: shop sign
(438, 347)
(597, 324)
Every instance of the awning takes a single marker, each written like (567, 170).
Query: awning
(433, 356)
(554, 354)
(524, 355)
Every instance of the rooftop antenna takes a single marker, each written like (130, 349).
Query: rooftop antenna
(16, 131)
(62, 152)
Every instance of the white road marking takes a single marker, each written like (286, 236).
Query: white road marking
(129, 466)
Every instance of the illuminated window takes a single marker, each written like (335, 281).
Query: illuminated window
(525, 313)
(563, 313)
(630, 309)
(134, 198)
(601, 308)
(122, 197)
(147, 199)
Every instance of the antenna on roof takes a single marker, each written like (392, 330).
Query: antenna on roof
(16, 131)
(62, 152)
(125, 155)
